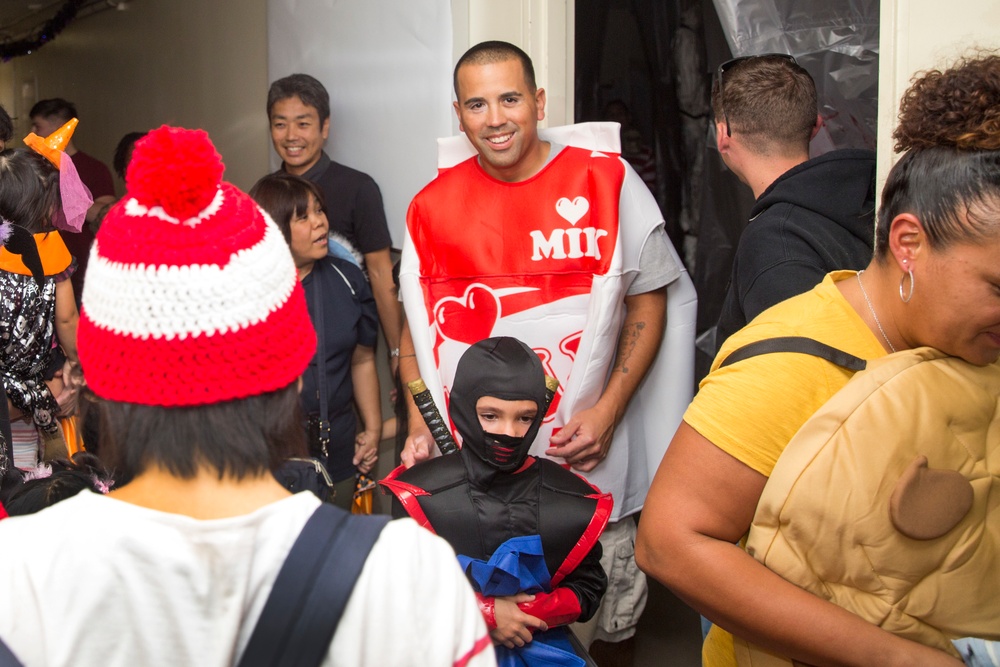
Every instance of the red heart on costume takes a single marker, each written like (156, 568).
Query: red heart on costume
(570, 344)
(469, 318)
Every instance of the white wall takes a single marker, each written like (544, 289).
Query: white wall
(183, 62)
(387, 67)
(918, 35)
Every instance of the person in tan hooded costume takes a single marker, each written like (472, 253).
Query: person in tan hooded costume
(934, 282)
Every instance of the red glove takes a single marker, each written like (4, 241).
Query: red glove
(488, 608)
(559, 607)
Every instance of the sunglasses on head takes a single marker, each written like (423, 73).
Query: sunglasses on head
(729, 65)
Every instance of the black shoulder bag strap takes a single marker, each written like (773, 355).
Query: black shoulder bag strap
(310, 593)
(799, 344)
(309, 596)
(7, 658)
(324, 408)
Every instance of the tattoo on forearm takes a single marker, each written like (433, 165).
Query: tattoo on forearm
(626, 345)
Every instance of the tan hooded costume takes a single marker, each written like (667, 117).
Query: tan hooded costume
(887, 502)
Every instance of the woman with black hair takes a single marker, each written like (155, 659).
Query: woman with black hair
(934, 281)
(343, 311)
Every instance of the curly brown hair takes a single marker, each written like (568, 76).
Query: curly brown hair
(959, 107)
(949, 175)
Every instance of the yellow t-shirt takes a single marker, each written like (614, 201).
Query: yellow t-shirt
(752, 408)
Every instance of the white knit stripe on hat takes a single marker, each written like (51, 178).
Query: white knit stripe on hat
(136, 210)
(190, 300)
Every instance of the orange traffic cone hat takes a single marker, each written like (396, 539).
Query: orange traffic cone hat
(52, 146)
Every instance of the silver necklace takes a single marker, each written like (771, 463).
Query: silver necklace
(871, 309)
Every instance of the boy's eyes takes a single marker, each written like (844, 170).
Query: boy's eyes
(490, 416)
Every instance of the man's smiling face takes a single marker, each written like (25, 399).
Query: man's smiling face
(298, 134)
(499, 113)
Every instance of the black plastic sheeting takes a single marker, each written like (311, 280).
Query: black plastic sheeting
(671, 44)
(682, 42)
(837, 43)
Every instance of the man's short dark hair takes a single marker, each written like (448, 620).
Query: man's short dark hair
(55, 107)
(769, 100)
(306, 88)
(240, 438)
(123, 152)
(486, 53)
(6, 126)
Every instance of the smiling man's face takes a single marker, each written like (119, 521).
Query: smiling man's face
(499, 113)
(298, 134)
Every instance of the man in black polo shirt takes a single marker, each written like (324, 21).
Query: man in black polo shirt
(298, 107)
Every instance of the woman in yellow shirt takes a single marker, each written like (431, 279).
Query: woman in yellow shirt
(934, 281)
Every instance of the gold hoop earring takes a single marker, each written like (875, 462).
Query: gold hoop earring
(902, 279)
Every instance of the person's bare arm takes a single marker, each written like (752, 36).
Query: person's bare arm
(67, 318)
(390, 311)
(701, 502)
(369, 404)
(419, 443)
(585, 439)
(97, 211)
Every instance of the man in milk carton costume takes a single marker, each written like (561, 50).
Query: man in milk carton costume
(564, 248)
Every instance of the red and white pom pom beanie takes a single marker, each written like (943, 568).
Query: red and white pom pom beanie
(191, 295)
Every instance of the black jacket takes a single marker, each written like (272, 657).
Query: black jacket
(815, 218)
(476, 509)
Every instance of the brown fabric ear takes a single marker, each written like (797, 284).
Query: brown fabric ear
(927, 503)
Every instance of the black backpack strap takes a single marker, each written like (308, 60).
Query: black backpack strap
(7, 657)
(312, 588)
(799, 344)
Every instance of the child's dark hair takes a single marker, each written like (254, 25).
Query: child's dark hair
(68, 478)
(6, 126)
(29, 189)
(240, 438)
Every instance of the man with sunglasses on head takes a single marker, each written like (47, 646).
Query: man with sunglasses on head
(812, 216)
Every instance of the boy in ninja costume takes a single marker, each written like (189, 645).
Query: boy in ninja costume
(526, 529)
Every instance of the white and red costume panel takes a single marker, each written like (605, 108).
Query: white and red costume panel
(547, 260)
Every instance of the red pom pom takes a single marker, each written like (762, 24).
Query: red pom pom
(177, 169)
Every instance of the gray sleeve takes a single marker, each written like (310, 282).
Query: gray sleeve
(658, 266)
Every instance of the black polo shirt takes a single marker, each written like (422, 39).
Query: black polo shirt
(353, 204)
